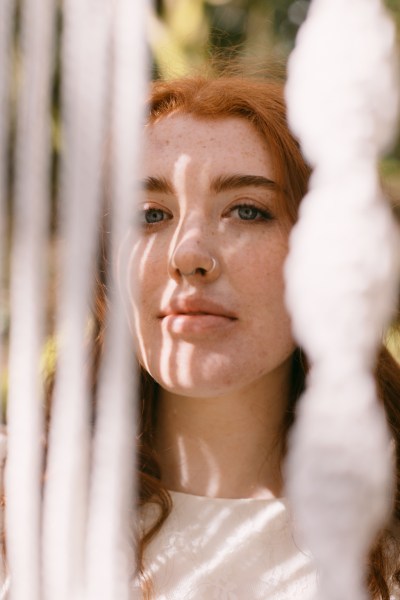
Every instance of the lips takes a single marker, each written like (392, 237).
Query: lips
(196, 316)
(196, 307)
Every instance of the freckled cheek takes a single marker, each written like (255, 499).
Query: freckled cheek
(145, 300)
(147, 266)
(259, 275)
(143, 324)
(148, 280)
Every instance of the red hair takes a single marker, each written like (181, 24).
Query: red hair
(259, 102)
(262, 104)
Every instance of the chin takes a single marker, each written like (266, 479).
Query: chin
(196, 391)
(215, 384)
(210, 374)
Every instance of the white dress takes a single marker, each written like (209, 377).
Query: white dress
(228, 549)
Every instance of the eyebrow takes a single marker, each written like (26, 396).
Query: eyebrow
(222, 183)
(157, 184)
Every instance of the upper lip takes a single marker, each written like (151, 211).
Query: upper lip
(196, 306)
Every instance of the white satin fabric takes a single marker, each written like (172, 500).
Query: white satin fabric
(228, 549)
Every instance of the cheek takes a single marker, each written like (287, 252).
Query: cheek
(253, 275)
(260, 281)
(143, 274)
(257, 273)
(147, 267)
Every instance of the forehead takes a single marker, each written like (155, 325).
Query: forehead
(218, 146)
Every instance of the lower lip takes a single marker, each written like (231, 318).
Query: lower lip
(196, 324)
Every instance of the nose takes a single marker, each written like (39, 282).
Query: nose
(191, 257)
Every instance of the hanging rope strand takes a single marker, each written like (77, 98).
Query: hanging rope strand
(31, 202)
(85, 45)
(342, 278)
(112, 515)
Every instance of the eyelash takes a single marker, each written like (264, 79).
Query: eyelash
(263, 214)
(147, 211)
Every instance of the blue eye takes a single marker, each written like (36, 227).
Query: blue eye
(153, 215)
(249, 212)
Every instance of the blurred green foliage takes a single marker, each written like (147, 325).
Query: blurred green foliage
(49, 358)
(184, 33)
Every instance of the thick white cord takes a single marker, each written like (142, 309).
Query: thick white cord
(342, 279)
(28, 267)
(111, 548)
(85, 45)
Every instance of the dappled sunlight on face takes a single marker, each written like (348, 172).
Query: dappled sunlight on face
(179, 178)
(208, 312)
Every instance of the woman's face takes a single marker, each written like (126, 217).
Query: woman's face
(208, 312)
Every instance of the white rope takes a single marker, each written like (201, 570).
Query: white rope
(24, 461)
(342, 277)
(85, 45)
(111, 558)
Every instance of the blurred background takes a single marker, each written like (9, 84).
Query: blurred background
(255, 36)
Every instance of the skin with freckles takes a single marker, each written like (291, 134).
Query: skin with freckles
(209, 316)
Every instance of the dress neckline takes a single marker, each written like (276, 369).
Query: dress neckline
(212, 499)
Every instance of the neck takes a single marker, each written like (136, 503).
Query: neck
(226, 446)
